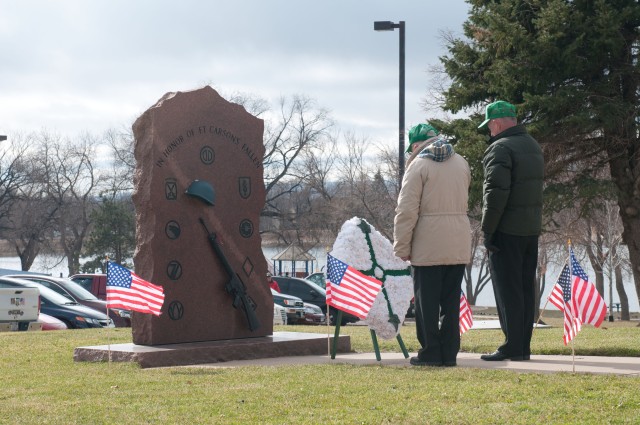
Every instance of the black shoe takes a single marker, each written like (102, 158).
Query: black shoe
(449, 364)
(414, 361)
(498, 356)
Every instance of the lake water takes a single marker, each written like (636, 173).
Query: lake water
(58, 268)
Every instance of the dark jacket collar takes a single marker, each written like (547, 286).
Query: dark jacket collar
(511, 131)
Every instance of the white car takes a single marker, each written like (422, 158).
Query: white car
(19, 308)
(279, 315)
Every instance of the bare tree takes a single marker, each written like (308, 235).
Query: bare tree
(252, 103)
(362, 188)
(387, 158)
(320, 167)
(595, 247)
(23, 209)
(550, 250)
(480, 262)
(343, 178)
(605, 250)
(624, 299)
(122, 166)
(297, 127)
(72, 181)
(32, 215)
(13, 175)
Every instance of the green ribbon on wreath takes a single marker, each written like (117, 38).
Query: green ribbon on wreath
(366, 229)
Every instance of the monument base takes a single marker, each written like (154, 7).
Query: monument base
(277, 345)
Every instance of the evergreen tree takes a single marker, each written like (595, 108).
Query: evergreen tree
(571, 67)
(113, 233)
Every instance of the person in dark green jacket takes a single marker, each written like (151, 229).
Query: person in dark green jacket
(512, 221)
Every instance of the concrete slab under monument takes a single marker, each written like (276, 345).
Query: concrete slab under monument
(279, 344)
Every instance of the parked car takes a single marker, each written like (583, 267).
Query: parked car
(50, 323)
(96, 283)
(293, 306)
(319, 279)
(74, 315)
(313, 315)
(279, 315)
(311, 293)
(72, 290)
(19, 309)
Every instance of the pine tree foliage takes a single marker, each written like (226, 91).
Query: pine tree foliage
(113, 233)
(571, 68)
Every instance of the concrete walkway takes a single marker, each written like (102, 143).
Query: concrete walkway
(629, 366)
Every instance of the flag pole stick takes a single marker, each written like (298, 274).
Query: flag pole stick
(328, 332)
(336, 335)
(106, 263)
(109, 336)
(328, 313)
(573, 323)
(573, 356)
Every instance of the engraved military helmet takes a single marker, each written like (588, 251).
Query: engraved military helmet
(202, 190)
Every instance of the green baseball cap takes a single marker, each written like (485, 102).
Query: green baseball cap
(419, 133)
(498, 109)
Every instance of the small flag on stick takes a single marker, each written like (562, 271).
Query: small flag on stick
(588, 304)
(350, 290)
(578, 298)
(128, 291)
(466, 315)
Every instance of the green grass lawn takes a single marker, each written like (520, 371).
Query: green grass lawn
(41, 384)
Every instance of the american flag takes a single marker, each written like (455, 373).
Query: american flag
(128, 291)
(589, 305)
(561, 296)
(556, 297)
(578, 298)
(466, 316)
(350, 290)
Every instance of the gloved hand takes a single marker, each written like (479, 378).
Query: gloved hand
(488, 243)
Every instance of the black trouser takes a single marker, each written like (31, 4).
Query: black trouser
(513, 273)
(437, 295)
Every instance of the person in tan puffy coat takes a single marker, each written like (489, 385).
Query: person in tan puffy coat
(432, 231)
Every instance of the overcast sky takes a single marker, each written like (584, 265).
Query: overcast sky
(88, 65)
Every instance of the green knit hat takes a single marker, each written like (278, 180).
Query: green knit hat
(498, 109)
(419, 133)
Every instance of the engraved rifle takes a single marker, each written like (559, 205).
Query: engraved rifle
(234, 287)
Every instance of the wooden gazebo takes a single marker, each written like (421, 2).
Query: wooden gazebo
(293, 254)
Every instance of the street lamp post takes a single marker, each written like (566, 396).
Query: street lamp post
(390, 26)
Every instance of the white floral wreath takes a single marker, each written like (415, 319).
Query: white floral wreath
(361, 246)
